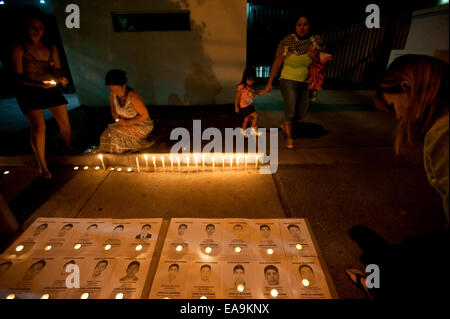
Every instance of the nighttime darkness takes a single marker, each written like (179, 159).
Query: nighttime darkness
(264, 154)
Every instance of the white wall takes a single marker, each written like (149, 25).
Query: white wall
(427, 34)
(201, 66)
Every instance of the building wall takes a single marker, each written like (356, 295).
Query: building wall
(201, 66)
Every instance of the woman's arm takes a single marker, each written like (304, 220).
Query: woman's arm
(140, 108)
(273, 72)
(17, 56)
(237, 100)
(113, 109)
(58, 67)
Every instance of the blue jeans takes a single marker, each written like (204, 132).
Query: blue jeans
(296, 99)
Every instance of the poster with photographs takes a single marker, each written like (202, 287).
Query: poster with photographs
(307, 279)
(128, 278)
(204, 280)
(273, 279)
(267, 238)
(88, 237)
(237, 238)
(296, 238)
(34, 236)
(170, 279)
(209, 237)
(143, 237)
(28, 277)
(95, 277)
(238, 280)
(181, 239)
(58, 287)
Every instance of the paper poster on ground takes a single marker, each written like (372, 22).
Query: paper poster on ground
(170, 279)
(296, 238)
(307, 279)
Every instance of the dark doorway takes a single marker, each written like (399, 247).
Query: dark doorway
(360, 54)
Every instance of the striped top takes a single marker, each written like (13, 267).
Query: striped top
(292, 44)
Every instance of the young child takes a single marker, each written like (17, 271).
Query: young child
(245, 97)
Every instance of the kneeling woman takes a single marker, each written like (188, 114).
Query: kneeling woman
(133, 124)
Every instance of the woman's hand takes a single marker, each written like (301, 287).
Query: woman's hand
(268, 88)
(236, 109)
(313, 53)
(63, 80)
(47, 84)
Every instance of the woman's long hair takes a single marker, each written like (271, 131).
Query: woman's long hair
(428, 96)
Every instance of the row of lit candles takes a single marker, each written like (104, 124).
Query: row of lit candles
(224, 160)
(179, 248)
(240, 288)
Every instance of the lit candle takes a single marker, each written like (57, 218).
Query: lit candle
(107, 247)
(19, 248)
(137, 164)
(213, 161)
(119, 169)
(119, 295)
(77, 246)
(84, 296)
(274, 292)
(112, 168)
(223, 161)
(240, 287)
(146, 160)
(246, 160)
(237, 249)
(171, 162)
(298, 246)
(45, 296)
(97, 168)
(203, 160)
(203, 297)
(231, 161)
(47, 248)
(11, 296)
(196, 162)
(256, 161)
(305, 282)
(208, 250)
(237, 161)
(162, 161)
(117, 120)
(129, 169)
(270, 251)
(139, 247)
(178, 161)
(6, 172)
(187, 161)
(179, 248)
(101, 159)
(75, 168)
(52, 82)
(86, 167)
(154, 162)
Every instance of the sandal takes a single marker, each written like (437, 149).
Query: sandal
(45, 175)
(355, 277)
(289, 143)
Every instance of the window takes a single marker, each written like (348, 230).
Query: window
(152, 21)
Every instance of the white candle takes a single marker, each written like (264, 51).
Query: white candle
(171, 162)
(187, 161)
(246, 160)
(203, 160)
(101, 160)
(213, 161)
(196, 162)
(162, 161)
(178, 161)
(137, 164)
(146, 160)
(256, 161)
(223, 161)
(231, 161)
(154, 162)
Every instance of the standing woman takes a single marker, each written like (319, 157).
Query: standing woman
(295, 52)
(38, 71)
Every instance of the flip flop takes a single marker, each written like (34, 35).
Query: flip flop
(356, 280)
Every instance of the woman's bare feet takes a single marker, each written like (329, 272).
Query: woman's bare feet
(45, 174)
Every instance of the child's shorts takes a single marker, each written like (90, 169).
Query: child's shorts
(246, 111)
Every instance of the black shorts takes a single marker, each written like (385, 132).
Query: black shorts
(246, 111)
(32, 97)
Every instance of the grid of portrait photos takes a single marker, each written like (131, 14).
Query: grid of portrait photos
(111, 258)
(239, 259)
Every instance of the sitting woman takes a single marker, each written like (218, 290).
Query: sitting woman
(133, 124)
